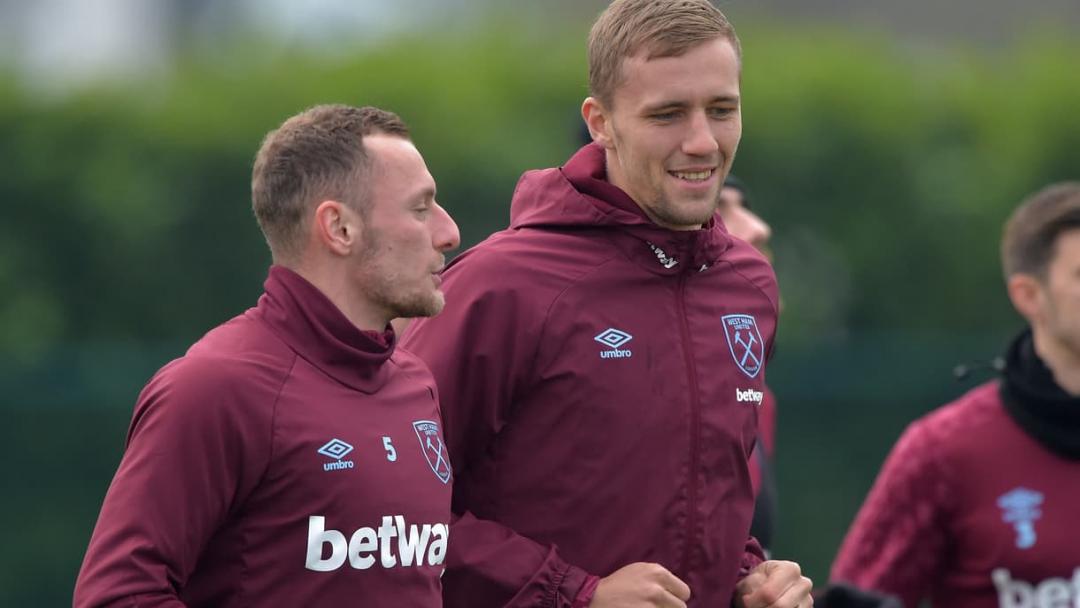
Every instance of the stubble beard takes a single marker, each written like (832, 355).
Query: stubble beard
(419, 305)
(672, 214)
(385, 290)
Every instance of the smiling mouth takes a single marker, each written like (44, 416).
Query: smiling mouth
(693, 176)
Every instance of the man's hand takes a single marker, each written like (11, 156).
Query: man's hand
(641, 585)
(774, 584)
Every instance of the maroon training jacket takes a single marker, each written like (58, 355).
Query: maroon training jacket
(969, 511)
(599, 379)
(288, 459)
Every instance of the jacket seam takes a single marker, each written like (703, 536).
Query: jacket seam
(242, 592)
(774, 304)
(572, 283)
(535, 355)
(940, 469)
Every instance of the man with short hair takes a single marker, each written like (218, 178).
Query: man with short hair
(601, 361)
(977, 504)
(293, 456)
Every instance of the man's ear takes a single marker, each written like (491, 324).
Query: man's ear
(337, 227)
(598, 120)
(1026, 293)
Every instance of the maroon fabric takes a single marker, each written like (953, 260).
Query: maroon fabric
(588, 590)
(766, 439)
(223, 498)
(569, 450)
(937, 524)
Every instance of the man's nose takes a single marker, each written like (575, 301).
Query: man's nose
(446, 236)
(700, 139)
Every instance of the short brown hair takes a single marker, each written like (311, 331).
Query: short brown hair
(316, 155)
(1030, 238)
(662, 28)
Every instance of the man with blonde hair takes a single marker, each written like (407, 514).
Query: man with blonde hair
(601, 361)
(293, 456)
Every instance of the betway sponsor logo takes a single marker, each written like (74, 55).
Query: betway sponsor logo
(1050, 593)
(749, 395)
(415, 545)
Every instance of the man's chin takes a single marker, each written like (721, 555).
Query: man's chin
(687, 221)
(427, 305)
(696, 210)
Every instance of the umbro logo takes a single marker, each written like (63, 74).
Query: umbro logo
(613, 339)
(1021, 507)
(336, 449)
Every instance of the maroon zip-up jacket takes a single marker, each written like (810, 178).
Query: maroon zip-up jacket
(288, 459)
(600, 378)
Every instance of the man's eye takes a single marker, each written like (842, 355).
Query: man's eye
(663, 116)
(721, 112)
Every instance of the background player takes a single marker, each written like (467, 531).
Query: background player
(976, 505)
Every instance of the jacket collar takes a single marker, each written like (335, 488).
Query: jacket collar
(579, 195)
(319, 332)
(1033, 399)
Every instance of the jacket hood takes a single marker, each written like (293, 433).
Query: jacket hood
(579, 195)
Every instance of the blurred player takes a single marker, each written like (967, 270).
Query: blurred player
(293, 457)
(978, 505)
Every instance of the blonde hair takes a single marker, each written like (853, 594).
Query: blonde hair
(660, 28)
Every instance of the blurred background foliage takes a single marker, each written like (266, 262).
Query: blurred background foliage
(886, 170)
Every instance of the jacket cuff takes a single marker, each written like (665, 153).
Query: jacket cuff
(585, 594)
(753, 556)
(568, 586)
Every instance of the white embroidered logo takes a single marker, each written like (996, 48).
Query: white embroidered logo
(367, 546)
(665, 260)
(336, 449)
(613, 339)
(749, 395)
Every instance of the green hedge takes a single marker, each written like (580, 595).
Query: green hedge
(885, 169)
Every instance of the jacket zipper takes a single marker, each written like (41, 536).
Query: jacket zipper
(695, 415)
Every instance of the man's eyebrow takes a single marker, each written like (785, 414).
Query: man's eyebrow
(426, 194)
(675, 104)
(665, 105)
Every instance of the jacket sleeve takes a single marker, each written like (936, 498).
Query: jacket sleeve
(898, 539)
(480, 349)
(488, 564)
(191, 456)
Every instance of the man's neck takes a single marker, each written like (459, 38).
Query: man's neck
(1062, 361)
(336, 289)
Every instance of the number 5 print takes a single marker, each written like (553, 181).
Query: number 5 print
(391, 453)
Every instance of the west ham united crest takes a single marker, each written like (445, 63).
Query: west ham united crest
(745, 342)
(434, 450)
